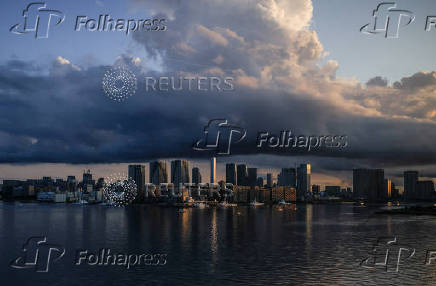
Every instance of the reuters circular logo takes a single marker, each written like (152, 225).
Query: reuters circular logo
(119, 83)
(119, 190)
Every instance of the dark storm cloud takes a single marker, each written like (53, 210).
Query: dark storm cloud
(417, 81)
(64, 116)
(377, 81)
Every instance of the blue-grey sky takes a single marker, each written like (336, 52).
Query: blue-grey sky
(338, 22)
(297, 65)
(82, 48)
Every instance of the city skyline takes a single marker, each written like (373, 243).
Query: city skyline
(20, 171)
(338, 94)
(368, 185)
(211, 142)
(289, 175)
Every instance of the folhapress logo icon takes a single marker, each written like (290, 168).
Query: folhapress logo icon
(37, 20)
(387, 20)
(219, 136)
(38, 254)
(388, 254)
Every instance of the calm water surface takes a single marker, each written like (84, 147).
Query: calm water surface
(314, 245)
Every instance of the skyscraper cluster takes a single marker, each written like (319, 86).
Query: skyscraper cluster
(371, 185)
(368, 184)
(299, 178)
(415, 189)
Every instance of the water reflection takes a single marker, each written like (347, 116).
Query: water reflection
(243, 245)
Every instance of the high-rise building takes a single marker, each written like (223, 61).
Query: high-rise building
(410, 181)
(213, 170)
(71, 184)
(425, 190)
(158, 172)
(288, 177)
(269, 181)
(196, 176)
(303, 180)
(180, 172)
(231, 173)
(242, 175)
(332, 191)
(316, 189)
(388, 188)
(100, 183)
(368, 184)
(252, 177)
(137, 173)
(395, 194)
(87, 178)
(259, 182)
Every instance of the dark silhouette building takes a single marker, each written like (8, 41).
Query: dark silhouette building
(410, 181)
(196, 176)
(158, 172)
(231, 173)
(369, 184)
(137, 173)
(242, 175)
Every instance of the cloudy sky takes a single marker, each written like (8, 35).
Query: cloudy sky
(297, 65)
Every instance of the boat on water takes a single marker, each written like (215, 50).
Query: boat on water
(199, 205)
(359, 204)
(226, 205)
(391, 206)
(81, 202)
(256, 204)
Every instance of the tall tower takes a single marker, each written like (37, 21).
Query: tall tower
(269, 180)
(288, 177)
(87, 178)
(231, 173)
(369, 184)
(180, 172)
(410, 182)
(252, 177)
(242, 175)
(196, 176)
(303, 180)
(137, 173)
(213, 170)
(158, 172)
